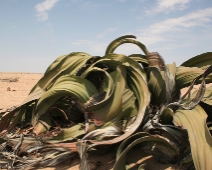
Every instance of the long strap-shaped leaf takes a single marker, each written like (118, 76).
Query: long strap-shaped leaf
(207, 98)
(6, 118)
(199, 137)
(68, 64)
(201, 60)
(82, 148)
(122, 40)
(139, 58)
(185, 75)
(107, 87)
(67, 134)
(78, 87)
(139, 87)
(189, 103)
(113, 107)
(138, 138)
(5, 121)
(114, 60)
(161, 81)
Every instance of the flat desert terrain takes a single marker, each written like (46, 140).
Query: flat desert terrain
(14, 88)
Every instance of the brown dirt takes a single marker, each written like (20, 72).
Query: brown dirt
(14, 88)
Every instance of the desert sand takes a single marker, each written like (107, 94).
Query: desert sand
(14, 88)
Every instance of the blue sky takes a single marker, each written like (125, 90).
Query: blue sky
(33, 33)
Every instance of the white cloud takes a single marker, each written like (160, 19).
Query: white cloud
(169, 5)
(43, 7)
(160, 31)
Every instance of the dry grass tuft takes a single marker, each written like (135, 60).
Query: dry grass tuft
(9, 79)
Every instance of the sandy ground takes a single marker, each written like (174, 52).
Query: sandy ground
(14, 88)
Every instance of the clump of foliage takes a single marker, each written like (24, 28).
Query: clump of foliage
(9, 79)
(85, 103)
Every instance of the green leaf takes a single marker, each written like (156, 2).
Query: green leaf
(125, 39)
(67, 134)
(105, 132)
(66, 85)
(128, 105)
(138, 85)
(157, 86)
(107, 83)
(114, 60)
(10, 120)
(42, 125)
(6, 118)
(166, 116)
(185, 75)
(34, 96)
(161, 79)
(139, 138)
(202, 60)
(68, 64)
(56, 63)
(107, 87)
(124, 60)
(207, 98)
(113, 107)
(188, 103)
(172, 68)
(139, 58)
(194, 121)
